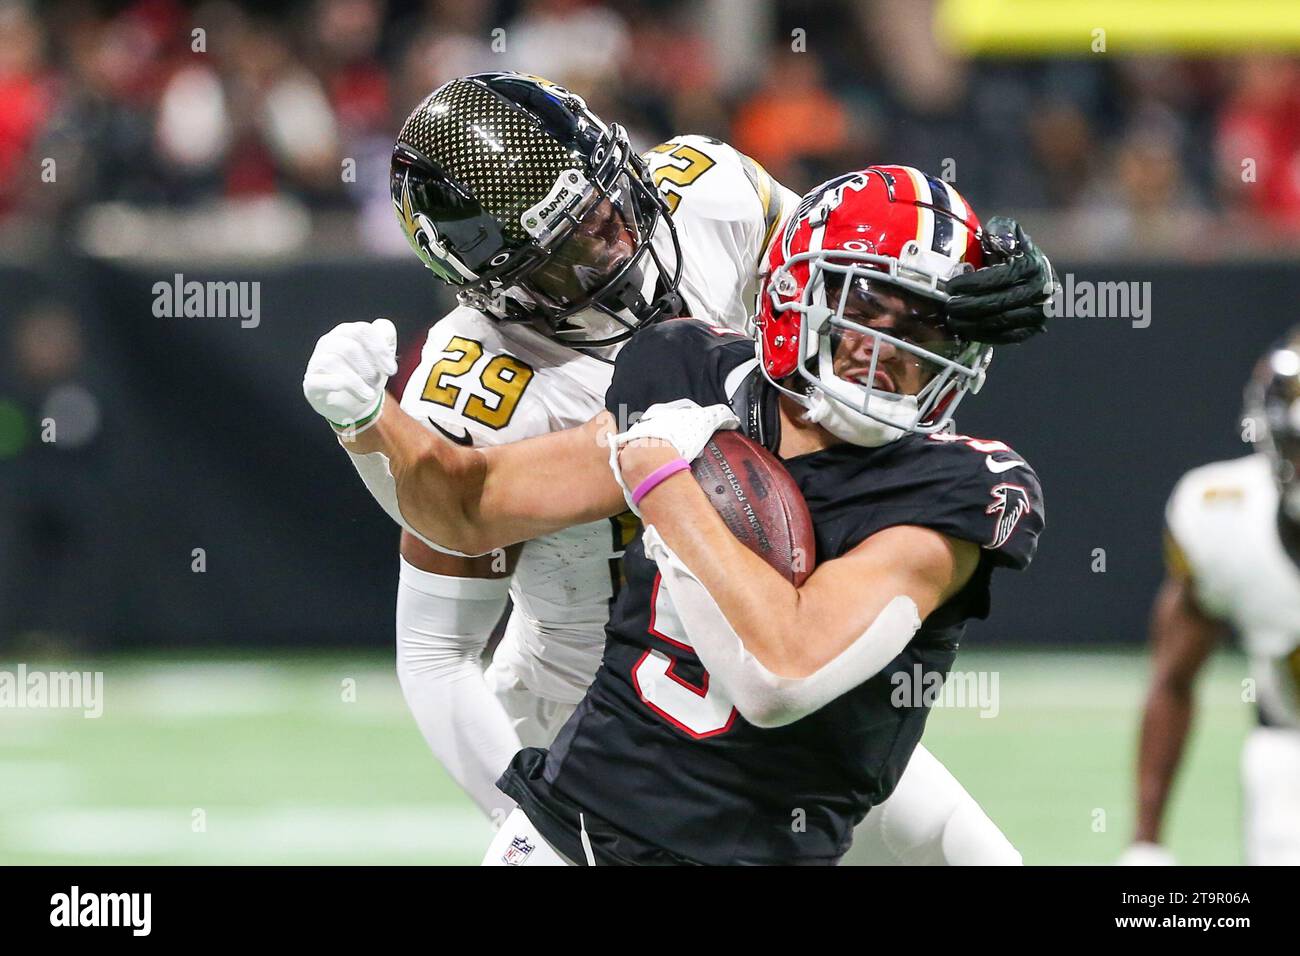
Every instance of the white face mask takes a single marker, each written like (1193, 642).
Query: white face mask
(854, 427)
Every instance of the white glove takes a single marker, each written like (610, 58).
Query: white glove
(1145, 854)
(683, 424)
(348, 370)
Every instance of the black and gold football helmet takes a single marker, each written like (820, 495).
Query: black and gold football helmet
(511, 190)
(1273, 404)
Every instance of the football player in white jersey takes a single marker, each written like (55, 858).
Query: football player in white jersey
(1233, 555)
(561, 243)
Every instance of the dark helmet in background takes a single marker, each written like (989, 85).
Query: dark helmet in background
(1273, 403)
(511, 190)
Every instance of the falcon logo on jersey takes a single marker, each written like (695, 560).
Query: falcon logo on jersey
(1010, 504)
(520, 849)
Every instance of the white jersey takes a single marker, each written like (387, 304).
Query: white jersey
(1223, 520)
(492, 383)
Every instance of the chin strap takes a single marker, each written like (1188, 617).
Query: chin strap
(754, 402)
(853, 427)
(668, 304)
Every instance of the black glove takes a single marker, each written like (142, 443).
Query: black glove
(1005, 302)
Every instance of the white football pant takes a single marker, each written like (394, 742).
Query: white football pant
(1270, 776)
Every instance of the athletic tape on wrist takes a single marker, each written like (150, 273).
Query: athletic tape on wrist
(356, 428)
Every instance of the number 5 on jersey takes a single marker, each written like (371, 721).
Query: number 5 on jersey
(503, 377)
(700, 711)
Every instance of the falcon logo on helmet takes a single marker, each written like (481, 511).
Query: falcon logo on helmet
(885, 231)
(511, 189)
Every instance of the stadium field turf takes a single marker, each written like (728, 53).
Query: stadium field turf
(312, 759)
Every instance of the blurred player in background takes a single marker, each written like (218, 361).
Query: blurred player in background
(1234, 565)
(562, 246)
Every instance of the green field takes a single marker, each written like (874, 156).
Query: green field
(229, 760)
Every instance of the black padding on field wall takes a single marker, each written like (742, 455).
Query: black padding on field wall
(208, 443)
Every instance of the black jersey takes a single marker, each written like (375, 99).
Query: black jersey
(661, 766)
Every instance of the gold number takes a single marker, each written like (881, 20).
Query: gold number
(504, 376)
(467, 352)
(697, 164)
(624, 527)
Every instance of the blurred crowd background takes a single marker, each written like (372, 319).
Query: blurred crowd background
(233, 140)
(270, 99)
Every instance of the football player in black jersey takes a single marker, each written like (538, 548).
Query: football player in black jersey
(735, 717)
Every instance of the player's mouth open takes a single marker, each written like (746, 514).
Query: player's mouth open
(882, 381)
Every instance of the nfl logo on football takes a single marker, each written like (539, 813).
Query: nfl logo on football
(518, 852)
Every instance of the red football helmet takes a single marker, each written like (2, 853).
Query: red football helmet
(889, 231)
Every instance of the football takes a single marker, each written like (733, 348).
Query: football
(759, 502)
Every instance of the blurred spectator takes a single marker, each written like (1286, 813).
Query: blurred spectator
(1259, 142)
(670, 85)
(449, 39)
(25, 93)
(297, 105)
(576, 43)
(1064, 145)
(794, 124)
(55, 501)
(1144, 200)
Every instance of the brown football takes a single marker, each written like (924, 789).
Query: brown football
(759, 502)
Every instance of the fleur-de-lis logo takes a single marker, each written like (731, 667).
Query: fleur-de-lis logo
(428, 245)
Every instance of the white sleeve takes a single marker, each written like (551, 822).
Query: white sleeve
(379, 481)
(763, 698)
(443, 624)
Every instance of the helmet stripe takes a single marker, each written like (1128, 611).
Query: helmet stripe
(961, 232)
(924, 214)
(943, 225)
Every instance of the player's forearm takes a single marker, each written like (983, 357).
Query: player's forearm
(792, 632)
(476, 500)
(437, 482)
(1165, 725)
(761, 606)
(763, 696)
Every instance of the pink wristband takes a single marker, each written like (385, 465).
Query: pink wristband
(656, 478)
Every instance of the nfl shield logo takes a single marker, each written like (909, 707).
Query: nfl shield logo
(518, 851)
